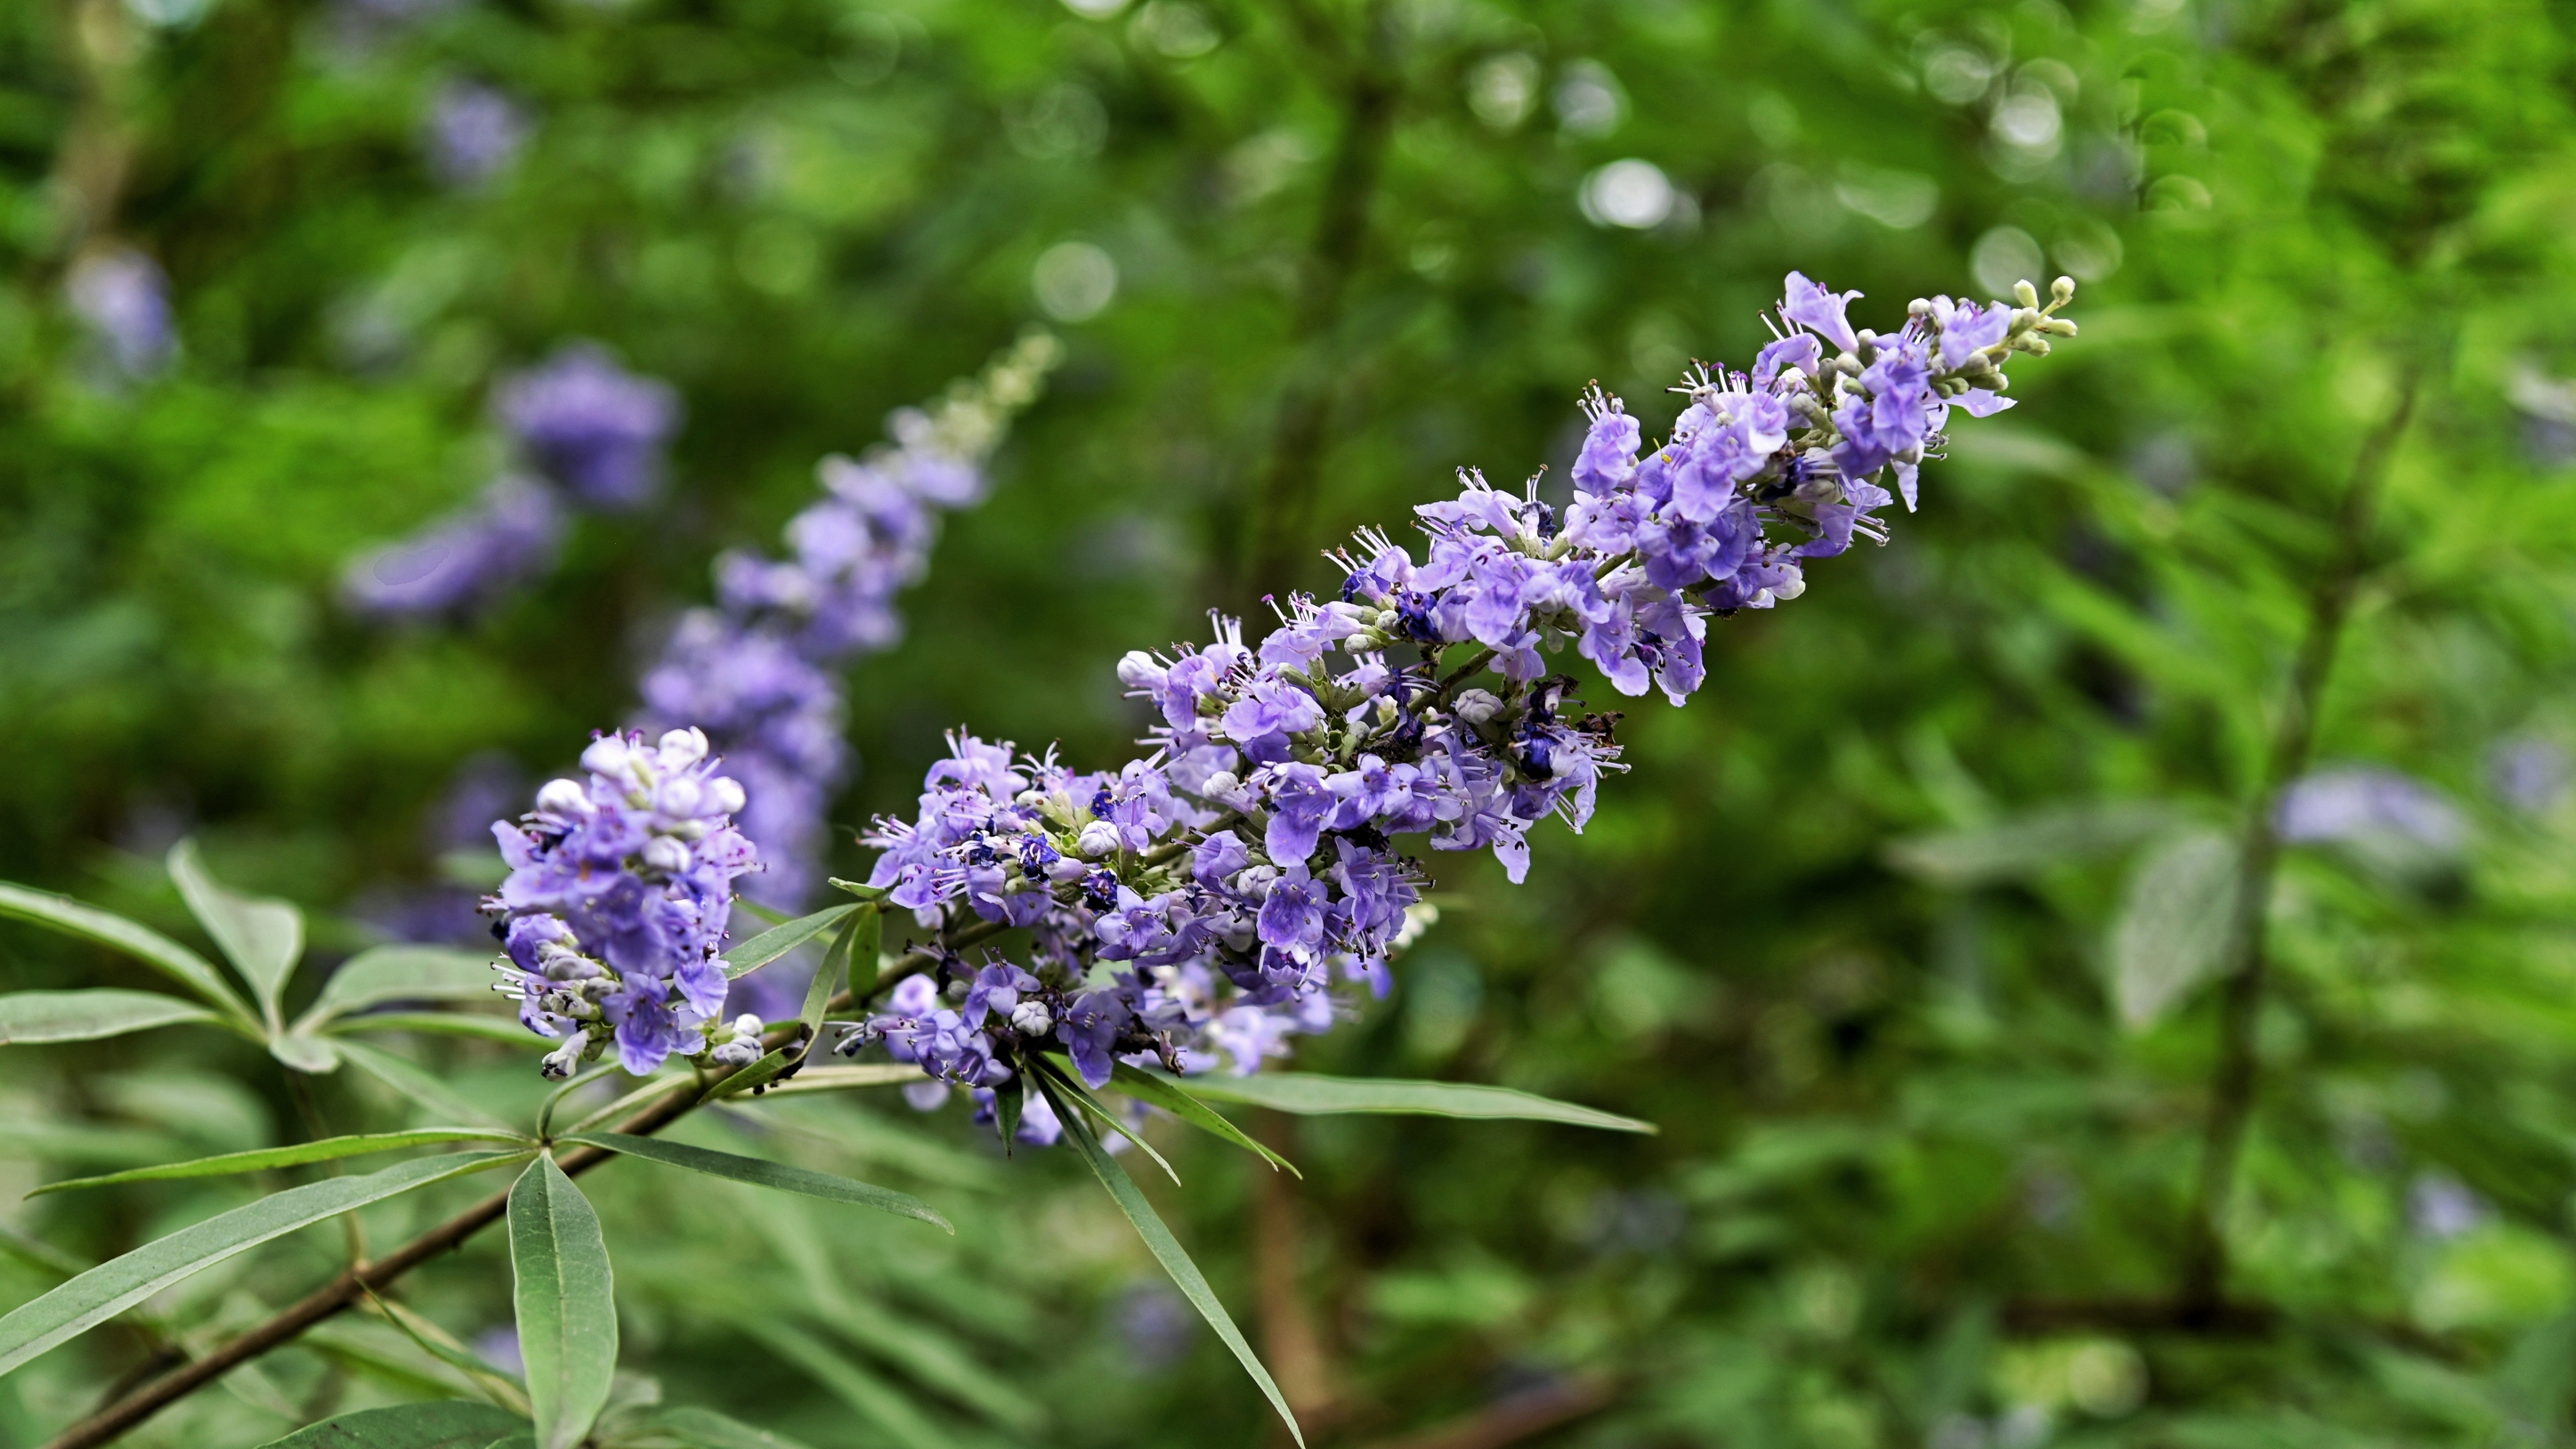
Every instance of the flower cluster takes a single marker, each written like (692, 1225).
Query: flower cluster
(1199, 905)
(590, 433)
(758, 673)
(122, 296)
(615, 909)
(473, 134)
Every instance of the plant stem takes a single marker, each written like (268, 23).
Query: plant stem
(355, 1282)
(1285, 494)
(2246, 963)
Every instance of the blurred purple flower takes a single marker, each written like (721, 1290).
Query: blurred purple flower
(464, 561)
(591, 425)
(2439, 1207)
(474, 133)
(2357, 802)
(124, 298)
(2528, 773)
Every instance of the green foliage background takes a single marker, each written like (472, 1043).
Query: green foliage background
(1847, 931)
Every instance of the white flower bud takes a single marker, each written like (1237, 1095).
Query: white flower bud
(1220, 785)
(1790, 587)
(1031, 1018)
(563, 800)
(1477, 706)
(1099, 838)
(746, 1025)
(666, 855)
(683, 748)
(1067, 868)
(680, 797)
(723, 796)
(559, 1063)
(1137, 670)
(608, 755)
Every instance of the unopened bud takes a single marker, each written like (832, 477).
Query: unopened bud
(563, 799)
(2062, 291)
(2025, 293)
(1099, 838)
(1220, 785)
(1477, 706)
(666, 855)
(682, 748)
(1031, 1018)
(1137, 670)
(559, 1063)
(724, 796)
(607, 755)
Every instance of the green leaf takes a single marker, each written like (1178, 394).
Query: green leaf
(308, 1054)
(514, 1441)
(262, 938)
(1009, 1100)
(658, 1086)
(1307, 1094)
(140, 942)
(30, 1017)
(1167, 1094)
(411, 1080)
(2029, 845)
(572, 1084)
(777, 941)
(873, 1397)
(758, 1075)
(400, 973)
(503, 1029)
(843, 1079)
(1165, 1248)
(866, 956)
(268, 1157)
(112, 1287)
(2173, 925)
(566, 1302)
(759, 912)
(1066, 1086)
(863, 892)
(496, 1384)
(458, 1424)
(691, 1427)
(762, 1173)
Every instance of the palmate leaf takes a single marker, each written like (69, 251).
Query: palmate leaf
(762, 1173)
(31, 1017)
(777, 941)
(1165, 1248)
(302, 1152)
(1307, 1094)
(400, 973)
(262, 938)
(1168, 1094)
(114, 1286)
(566, 1302)
(144, 944)
(458, 1424)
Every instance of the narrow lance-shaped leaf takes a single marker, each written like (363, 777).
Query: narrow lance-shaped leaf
(874, 1398)
(1307, 1094)
(308, 1054)
(1068, 1088)
(503, 1029)
(30, 1017)
(762, 1173)
(699, 1428)
(112, 1287)
(1167, 1094)
(840, 960)
(458, 1424)
(777, 941)
(844, 1079)
(1165, 1248)
(140, 942)
(400, 973)
(408, 1078)
(656, 1087)
(262, 938)
(266, 1158)
(566, 1302)
(500, 1386)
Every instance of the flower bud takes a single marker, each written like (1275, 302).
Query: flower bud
(560, 1062)
(1099, 838)
(1137, 670)
(1790, 587)
(724, 796)
(1220, 785)
(2062, 291)
(607, 755)
(666, 855)
(1477, 706)
(563, 800)
(1031, 1018)
(2025, 293)
(682, 748)
(679, 797)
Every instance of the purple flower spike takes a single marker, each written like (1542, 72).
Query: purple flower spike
(592, 425)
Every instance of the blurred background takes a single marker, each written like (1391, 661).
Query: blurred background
(1911, 932)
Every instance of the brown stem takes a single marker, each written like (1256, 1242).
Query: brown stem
(1515, 1417)
(357, 1280)
(1285, 494)
(1291, 1343)
(2232, 1089)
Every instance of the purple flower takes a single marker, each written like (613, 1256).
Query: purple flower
(1809, 305)
(1300, 803)
(2358, 803)
(619, 895)
(592, 425)
(1967, 328)
(474, 133)
(463, 562)
(1089, 1029)
(125, 299)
